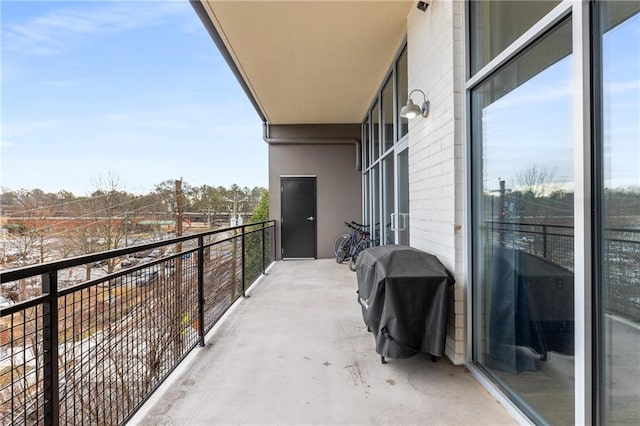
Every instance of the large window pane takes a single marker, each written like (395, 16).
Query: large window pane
(403, 198)
(365, 199)
(366, 148)
(497, 24)
(375, 204)
(375, 132)
(403, 92)
(387, 115)
(523, 228)
(620, 236)
(388, 185)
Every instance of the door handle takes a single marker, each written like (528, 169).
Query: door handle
(311, 218)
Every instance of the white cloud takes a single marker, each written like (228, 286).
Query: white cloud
(621, 86)
(61, 29)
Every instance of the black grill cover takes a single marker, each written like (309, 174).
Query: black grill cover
(404, 297)
(531, 309)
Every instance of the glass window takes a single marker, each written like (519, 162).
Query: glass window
(365, 199)
(523, 262)
(620, 221)
(375, 132)
(387, 115)
(389, 200)
(366, 129)
(403, 90)
(375, 204)
(497, 24)
(403, 198)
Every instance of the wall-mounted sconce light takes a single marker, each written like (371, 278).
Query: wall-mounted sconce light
(411, 110)
(422, 5)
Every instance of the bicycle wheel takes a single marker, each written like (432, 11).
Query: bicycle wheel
(344, 250)
(338, 242)
(362, 245)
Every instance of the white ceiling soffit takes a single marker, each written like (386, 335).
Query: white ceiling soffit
(311, 61)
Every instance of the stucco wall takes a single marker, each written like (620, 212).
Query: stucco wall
(339, 186)
(436, 163)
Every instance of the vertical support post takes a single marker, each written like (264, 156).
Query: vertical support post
(50, 349)
(178, 271)
(544, 241)
(243, 260)
(201, 290)
(273, 241)
(264, 268)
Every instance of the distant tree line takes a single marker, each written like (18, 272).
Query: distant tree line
(204, 199)
(40, 226)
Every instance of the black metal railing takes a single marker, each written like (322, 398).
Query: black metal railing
(621, 265)
(93, 352)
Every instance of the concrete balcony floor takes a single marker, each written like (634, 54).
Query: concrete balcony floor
(297, 352)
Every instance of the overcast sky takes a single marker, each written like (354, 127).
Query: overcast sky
(135, 89)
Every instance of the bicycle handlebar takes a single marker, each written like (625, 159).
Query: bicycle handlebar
(357, 226)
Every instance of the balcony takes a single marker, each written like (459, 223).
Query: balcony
(145, 341)
(297, 352)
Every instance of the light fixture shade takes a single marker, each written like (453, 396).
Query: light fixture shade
(410, 110)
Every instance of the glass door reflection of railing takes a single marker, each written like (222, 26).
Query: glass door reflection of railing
(94, 351)
(555, 243)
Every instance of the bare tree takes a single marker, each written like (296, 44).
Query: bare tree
(537, 181)
(106, 215)
(28, 240)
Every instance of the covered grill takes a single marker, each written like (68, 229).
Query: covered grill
(404, 297)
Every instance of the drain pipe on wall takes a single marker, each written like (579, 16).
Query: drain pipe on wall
(311, 141)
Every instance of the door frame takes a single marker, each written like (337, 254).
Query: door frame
(315, 221)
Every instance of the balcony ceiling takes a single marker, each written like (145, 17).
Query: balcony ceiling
(311, 62)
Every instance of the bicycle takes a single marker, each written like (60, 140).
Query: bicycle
(363, 244)
(345, 236)
(345, 243)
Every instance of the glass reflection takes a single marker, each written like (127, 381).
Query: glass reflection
(523, 228)
(403, 197)
(375, 132)
(403, 92)
(375, 205)
(387, 114)
(365, 199)
(389, 186)
(620, 243)
(497, 24)
(366, 148)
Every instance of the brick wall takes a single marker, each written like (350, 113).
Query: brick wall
(436, 163)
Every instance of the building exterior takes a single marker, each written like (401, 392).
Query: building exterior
(523, 178)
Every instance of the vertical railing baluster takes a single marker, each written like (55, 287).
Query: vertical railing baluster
(50, 349)
(544, 241)
(201, 290)
(264, 268)
(242, 258)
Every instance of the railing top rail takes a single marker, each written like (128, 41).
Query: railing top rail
(495, 222)
(549, 225)
(47, 267)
